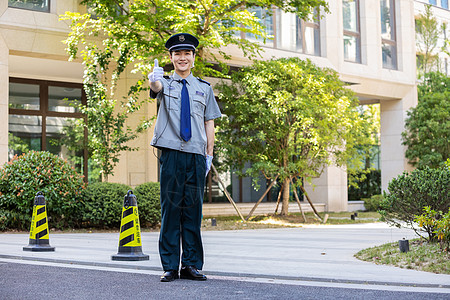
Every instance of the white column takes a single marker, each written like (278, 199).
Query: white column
(4, 95)
(393, 115)
(330, 188)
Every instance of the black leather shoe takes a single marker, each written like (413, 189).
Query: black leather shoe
(191, 273)
(170, 275)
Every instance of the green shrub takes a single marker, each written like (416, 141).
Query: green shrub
(410, 193)
(373, 203)
(103, 204)
(24, 176)
(147, 196)
(3, 221)
(439, 223)
(368, 184)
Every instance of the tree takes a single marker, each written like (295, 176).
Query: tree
(427, 126)
(125, 36)
(427, 36)
(289, 118)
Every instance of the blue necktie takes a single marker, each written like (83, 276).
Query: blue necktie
(185, 124)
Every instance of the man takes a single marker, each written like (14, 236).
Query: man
(184, 132)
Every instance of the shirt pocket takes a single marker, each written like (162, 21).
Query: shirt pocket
(171, 101)
(199, 106)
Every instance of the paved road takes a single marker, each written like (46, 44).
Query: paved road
(292, 262)
(24, 281)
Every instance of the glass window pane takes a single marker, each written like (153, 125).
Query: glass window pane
(25, 133)
(312, 43)
(64, 99)
(37, 5)
(434, 2)
(288, 31)
(266, 21)
(350, 15)
(351, 48)
(444, 4)
(65, 138)
(387, 21)
(24, 96)
(389, 53)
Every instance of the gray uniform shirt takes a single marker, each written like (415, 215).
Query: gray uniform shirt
(203, 108)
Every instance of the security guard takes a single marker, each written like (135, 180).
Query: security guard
(184, 132)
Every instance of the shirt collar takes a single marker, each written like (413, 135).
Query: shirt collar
(177, 77)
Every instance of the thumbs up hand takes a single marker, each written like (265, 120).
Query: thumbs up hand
(157, 73)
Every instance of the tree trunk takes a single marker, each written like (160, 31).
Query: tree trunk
(261, 199)
(298, 202)
(285, 206)
(278, 199)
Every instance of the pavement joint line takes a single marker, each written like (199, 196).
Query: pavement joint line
(229, 274)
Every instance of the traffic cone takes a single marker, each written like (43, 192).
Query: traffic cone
(130, 246)
(39, 237)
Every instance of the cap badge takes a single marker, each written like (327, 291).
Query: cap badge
(181, 38)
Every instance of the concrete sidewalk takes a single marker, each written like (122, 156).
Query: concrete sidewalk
(313, 253)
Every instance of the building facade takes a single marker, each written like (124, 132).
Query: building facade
(370, 43)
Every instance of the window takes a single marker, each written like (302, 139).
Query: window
(292, 33)
(352, 39)
(288, 31)
(444, 4)
(37, 5)
(388, 36)
(433, 2)
(45, 116)
(266, 21)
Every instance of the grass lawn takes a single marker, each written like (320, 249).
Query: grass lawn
(423, 256)
(292, 220)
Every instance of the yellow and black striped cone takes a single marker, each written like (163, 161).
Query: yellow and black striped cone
(130, 244)
(39, 237)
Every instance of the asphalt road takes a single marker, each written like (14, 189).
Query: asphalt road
(34, 281)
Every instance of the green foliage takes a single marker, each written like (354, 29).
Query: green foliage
(409, 193)
(103, 204)
(428, 124)
(433, 82)
(134, 26)
(373, 203)
(290, 118)
(439, 223)
(24, 176)
(427, 37)
(147, 195)
(17, 143)
(368, 184)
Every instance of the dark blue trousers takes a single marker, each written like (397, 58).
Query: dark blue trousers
(182, 182)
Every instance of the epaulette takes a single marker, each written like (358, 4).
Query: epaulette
(201, 80)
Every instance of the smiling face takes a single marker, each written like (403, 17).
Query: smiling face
(182, 61)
